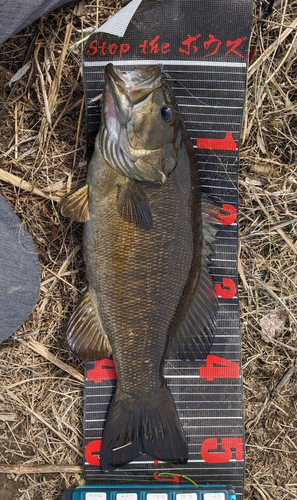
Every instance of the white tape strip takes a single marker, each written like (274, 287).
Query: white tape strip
(118, 24)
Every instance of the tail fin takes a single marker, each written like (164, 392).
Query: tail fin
(136, 426)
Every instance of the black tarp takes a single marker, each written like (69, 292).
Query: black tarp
(16, 15)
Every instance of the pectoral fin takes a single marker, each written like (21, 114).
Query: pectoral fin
(76, 205)
(85, 334)
(133, 205)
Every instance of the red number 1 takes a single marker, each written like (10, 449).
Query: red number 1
(173, 478)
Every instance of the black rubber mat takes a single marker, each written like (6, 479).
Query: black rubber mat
(202, 46)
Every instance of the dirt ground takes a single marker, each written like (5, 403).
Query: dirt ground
(42, 141)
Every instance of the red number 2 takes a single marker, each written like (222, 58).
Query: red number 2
(229, 290)
(230, 216)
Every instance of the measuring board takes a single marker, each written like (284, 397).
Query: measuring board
(202, 46)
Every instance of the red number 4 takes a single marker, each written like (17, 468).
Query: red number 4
(225, 368)
(103, 370)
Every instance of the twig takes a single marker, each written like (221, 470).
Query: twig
(78, 131)
(16, 140)
(65, 110)
(280, 231)
(63, 268)
(271, 229)
(292, 47)
(43, 351)
(260, 491)
(13, 89)
(276, 297)
(61, 436)
(8, 417)
(58, 276)
(42, 83)
(255, 420)
(285, 378)
(282, 344)
(14, 146)
(271, 48)
(270, 448)
(242, 275)
(26, 186)
(55, 87)
(41, 469)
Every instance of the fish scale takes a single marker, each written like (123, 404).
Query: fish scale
(124, 293)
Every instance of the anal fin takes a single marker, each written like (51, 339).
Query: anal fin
(85, 334)
(76, 204)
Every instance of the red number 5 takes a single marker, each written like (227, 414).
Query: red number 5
(210, 450)
(103, 370)
(92, 452)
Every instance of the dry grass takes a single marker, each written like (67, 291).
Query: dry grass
(42, 149)
(268, 270)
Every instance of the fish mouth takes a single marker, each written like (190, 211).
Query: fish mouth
(123, 91)
(133, 86)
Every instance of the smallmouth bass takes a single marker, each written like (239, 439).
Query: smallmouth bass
(147, 242)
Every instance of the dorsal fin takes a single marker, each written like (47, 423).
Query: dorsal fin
(195, 336)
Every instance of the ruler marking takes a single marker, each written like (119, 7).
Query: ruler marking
(209, 106)
(166, 62)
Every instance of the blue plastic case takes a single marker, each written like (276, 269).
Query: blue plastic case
(150, 492)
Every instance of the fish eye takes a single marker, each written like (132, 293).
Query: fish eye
(166, 113)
